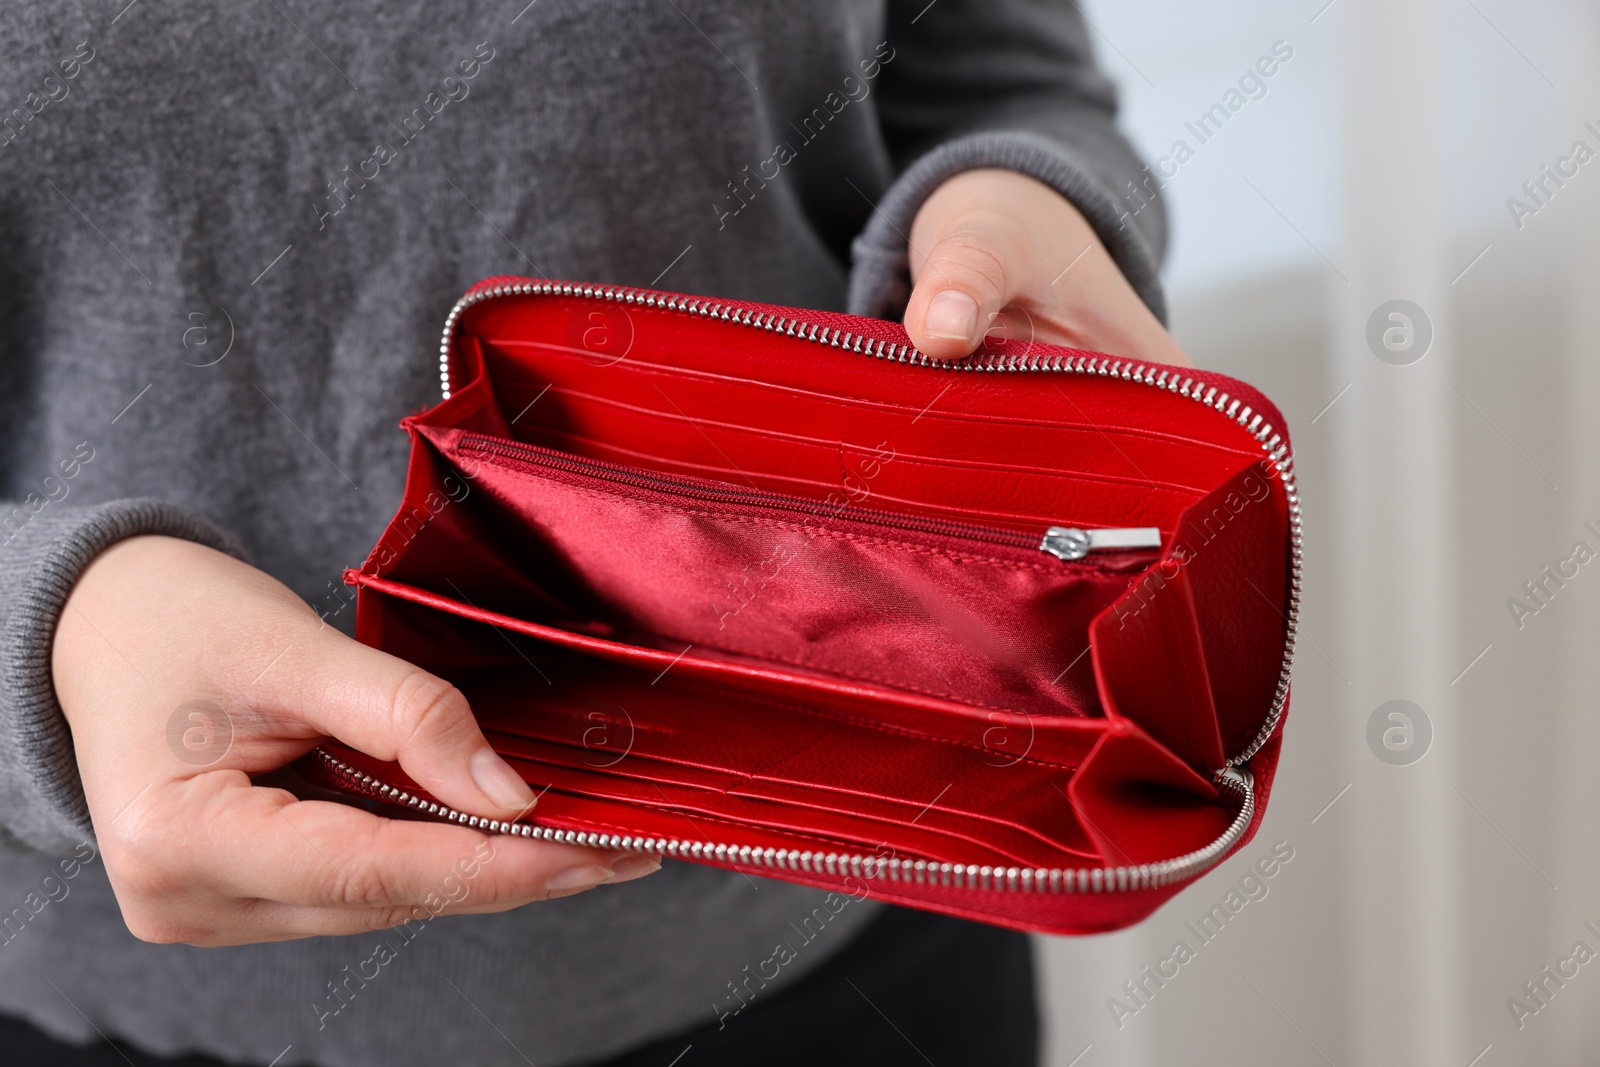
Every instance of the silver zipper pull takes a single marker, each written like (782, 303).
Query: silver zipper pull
(1069, 543)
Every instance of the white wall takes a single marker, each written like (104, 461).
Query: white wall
(1381, 159)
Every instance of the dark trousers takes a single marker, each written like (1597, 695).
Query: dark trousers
(911, 989)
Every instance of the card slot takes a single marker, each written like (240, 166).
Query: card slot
(686, 822)
(936, 806)
(859, 830)
(530, 429)
(1091, 501)
(787, 812)
(510, 371)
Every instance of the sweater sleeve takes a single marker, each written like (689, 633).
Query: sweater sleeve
(1009, 84)
(44, 547)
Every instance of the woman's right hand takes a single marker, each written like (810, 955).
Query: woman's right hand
(200, 854)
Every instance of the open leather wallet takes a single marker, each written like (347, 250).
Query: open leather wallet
(1006, 638)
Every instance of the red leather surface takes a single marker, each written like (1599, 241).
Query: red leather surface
(670, 667)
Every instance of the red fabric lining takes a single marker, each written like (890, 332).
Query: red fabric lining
(906, 541)
(908, 613)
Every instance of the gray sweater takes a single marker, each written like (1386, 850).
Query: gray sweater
(228, 239)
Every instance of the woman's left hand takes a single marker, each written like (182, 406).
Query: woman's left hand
(996, 253)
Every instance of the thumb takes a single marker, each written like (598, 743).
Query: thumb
(971, 271)
(394, 710)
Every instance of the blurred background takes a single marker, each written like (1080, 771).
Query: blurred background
(1444, 848)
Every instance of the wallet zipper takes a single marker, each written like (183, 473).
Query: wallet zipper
(1066, 543)
(838, 865)
(1234, 776)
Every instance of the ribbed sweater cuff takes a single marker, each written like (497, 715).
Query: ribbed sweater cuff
(41, 556)
(880, 280)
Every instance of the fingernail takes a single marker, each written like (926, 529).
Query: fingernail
(499, 782)
(630, 867)
(952, 316)
(574, 878)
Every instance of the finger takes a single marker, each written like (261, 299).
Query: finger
(249, 842)
(393, 710)
(966, 277)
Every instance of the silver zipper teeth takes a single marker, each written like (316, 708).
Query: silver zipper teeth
(1233, 775)
(918, 872)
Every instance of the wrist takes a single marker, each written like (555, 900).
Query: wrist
(118, 608)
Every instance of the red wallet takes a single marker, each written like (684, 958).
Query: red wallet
(1006, 638)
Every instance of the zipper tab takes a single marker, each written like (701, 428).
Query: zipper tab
(1069, 543)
